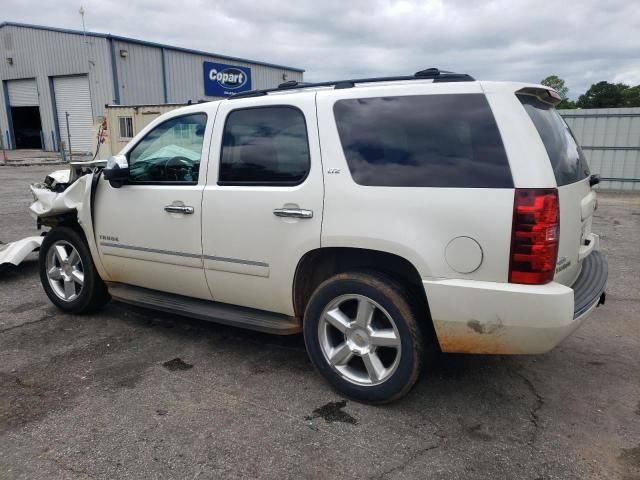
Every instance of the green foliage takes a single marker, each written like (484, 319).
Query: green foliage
(557, 84)
(632, 96)
(566, 104)
(600, 95)
(609, 95)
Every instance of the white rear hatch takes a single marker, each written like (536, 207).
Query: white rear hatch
(577, 199)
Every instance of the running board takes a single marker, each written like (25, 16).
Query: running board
(224, 313)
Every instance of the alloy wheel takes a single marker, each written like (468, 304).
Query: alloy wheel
(359, 340)
(65, 271)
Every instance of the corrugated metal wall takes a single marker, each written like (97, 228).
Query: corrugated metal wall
(610, 139)
(185, 75)
(139, 74)
(42, 54)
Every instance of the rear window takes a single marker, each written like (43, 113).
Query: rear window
(567, 159)
(423, 141)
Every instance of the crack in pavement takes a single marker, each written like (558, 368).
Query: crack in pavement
(48, 316)
(69, 468)
(405, 463)
(533, 411)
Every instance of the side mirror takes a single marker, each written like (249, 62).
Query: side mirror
(116, 171)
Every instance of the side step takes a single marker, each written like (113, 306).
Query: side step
(224, 313)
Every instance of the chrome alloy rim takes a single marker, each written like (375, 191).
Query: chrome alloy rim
(359, 340)
(65, 270)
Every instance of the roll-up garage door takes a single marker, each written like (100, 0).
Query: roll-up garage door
(72, 97)
(23, 93)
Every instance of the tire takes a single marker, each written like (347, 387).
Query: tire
(74, 285)
(343, 345)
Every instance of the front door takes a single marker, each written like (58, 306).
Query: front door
(262, 206)
(148, 230)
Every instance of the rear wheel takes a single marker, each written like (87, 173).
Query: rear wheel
(67, 273)
(362, 333)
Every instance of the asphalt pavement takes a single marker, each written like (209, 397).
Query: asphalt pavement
(133, 393)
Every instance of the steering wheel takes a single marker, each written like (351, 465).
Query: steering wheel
(178, 168)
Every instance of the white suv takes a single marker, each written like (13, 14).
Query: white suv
(384, 218)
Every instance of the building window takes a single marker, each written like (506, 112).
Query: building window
(126, 127)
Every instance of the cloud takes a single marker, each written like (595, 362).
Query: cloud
(580, 41)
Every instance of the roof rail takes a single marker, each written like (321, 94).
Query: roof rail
(429, 73)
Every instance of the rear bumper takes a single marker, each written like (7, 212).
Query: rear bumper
(591, 284)
(502, 318)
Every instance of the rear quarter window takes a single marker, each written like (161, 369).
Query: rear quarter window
(449, 140)
(567, 159)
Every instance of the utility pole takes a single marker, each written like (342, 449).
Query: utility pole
(89, 62)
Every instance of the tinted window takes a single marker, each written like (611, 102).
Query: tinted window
(422, 141)
(170, 152)
(567, 159)
(264, 146)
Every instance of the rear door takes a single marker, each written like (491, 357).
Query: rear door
(577, 199)
(262, 205)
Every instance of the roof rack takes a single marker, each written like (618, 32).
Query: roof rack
(429, 73)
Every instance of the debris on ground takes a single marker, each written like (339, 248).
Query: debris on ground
(177, 364)
(15, 252)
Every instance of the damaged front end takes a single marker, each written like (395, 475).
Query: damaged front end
(59, 199)
(63, 193)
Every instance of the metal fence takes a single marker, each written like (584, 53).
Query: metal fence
(610, 139)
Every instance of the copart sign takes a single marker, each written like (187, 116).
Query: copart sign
(222, 80)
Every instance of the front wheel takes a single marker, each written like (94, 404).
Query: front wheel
(362, 333)
(67, 273)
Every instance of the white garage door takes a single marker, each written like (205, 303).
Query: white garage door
(23, 93)
(72, 97)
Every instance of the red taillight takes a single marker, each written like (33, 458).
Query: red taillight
(534, 236)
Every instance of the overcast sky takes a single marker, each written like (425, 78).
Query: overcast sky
(582, 41)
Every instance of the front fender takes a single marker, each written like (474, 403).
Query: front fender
(74, 202)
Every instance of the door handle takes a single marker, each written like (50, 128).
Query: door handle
(293, 212)
(179, 209)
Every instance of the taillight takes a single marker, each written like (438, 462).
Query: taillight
(534, 236)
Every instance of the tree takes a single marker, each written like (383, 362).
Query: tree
(632, 96)
(605, 95)
(557, 84)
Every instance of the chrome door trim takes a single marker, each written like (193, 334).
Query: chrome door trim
(293, 212)
(183, 254)
(179, 209)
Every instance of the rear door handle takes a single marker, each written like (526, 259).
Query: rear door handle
(293, 212)
(179, 209)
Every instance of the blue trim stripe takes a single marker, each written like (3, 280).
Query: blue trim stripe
(54, 109)
(10, 135)
(148, 44)
(163, 54)
(114, 72)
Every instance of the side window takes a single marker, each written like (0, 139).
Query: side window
(170, 152)
(264, 146)
(448, 140)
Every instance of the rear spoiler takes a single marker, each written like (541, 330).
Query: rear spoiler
(546, 95)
